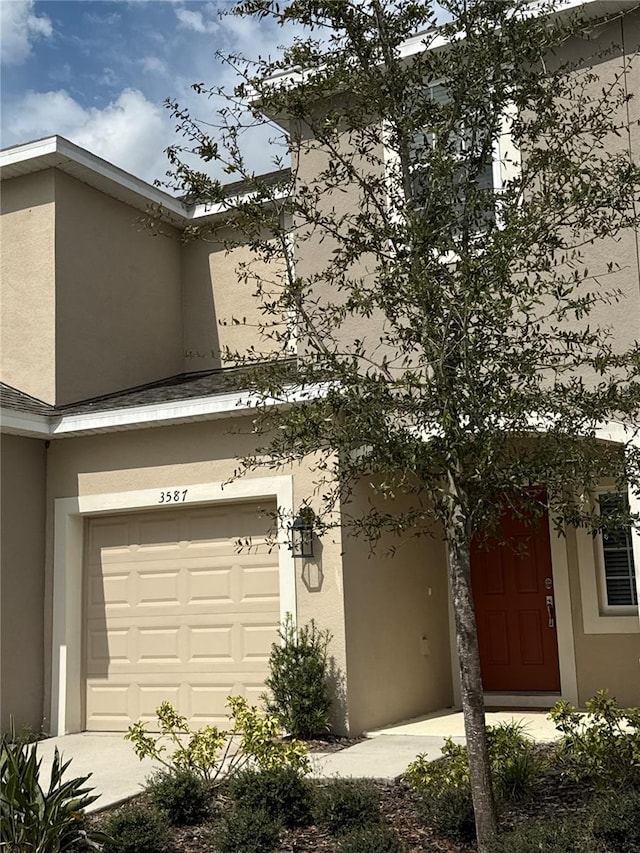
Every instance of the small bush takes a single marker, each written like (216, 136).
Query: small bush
(282, 793)
(346, 805)
(134, 829)
(602, 746)
(515, 765)
(247, 831)
(444, 785)
(616, 822)
(376, 839)
(182, 795)
(548, 836)
(449, 811)
(253, 737)
(297, 682)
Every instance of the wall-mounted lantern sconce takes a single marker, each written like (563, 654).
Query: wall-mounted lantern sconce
(302, 533)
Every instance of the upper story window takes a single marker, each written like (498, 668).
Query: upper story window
(459, 172)
(618, 580)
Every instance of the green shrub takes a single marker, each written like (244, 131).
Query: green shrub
(182, 795)
(602, 746)
(345, 805)
(375, 839)
(449, 811)
(297, 680)
(444, 785)
(445, 791)
(245, 831)
(253, 737)
(616, 821)
(515, 764)
(282, 793)
(548, 836)
(134, 829)
(34, 818)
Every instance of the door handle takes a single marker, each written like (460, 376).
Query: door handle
(551, 612)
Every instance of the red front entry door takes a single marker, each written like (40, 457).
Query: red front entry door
(514, 603)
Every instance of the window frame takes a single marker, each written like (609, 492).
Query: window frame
(597, 619)
(603, 595)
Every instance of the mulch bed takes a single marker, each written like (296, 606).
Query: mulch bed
(556, 796)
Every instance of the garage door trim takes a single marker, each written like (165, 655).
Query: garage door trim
(67, 623)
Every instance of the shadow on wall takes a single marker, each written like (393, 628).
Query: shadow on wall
(312, 574)
(336, 685)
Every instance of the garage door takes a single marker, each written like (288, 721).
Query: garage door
(174, 611)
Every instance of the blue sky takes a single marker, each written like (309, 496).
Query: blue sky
(98, 72)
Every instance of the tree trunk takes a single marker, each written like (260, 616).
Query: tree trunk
(471, 684)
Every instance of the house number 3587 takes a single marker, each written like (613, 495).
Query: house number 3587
(176, 496)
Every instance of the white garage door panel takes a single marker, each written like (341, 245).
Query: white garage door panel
(174, 618)
(241, 640)
(202, 702)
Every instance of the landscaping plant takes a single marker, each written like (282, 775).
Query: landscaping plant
(247, 831)
(181, 794)
(297, 680)
(36, 819)
(281, 792)
(616, 821)
(601, 746)
(375, 839)
(343, 806)
(515, 765)
(253, 736)
(444, 785)
(136, 829)
(546, 836)
(448, 297)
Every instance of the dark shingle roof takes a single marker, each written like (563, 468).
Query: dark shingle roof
(181, 387)
(11, 398)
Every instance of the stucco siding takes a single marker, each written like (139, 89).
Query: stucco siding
(118, 300)
(182, 456)
(397, 626)
(27, 319)
(603, 661)
(22, 556)
(220, 305)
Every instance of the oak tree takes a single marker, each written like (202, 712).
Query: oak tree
(451, 184)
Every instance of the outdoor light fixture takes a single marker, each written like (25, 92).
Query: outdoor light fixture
(302, 533)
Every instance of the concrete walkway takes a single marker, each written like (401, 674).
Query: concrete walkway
(117, 773)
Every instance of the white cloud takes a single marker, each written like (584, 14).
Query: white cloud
(19, 28)
(195, 21)
(130, 132)
(153, 65)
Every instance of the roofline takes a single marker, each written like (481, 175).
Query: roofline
(417, 43)
(205, 408)
(56, 151)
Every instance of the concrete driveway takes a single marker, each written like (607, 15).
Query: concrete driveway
(116, 772)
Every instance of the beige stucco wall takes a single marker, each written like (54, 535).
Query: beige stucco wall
(397, 626)
(27, 307)
(610, 53)
(221, 309)
(22, 554)
(118, 301)
(603, 661)
(183, 456)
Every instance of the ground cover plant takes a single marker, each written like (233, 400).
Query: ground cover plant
(545, 803)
